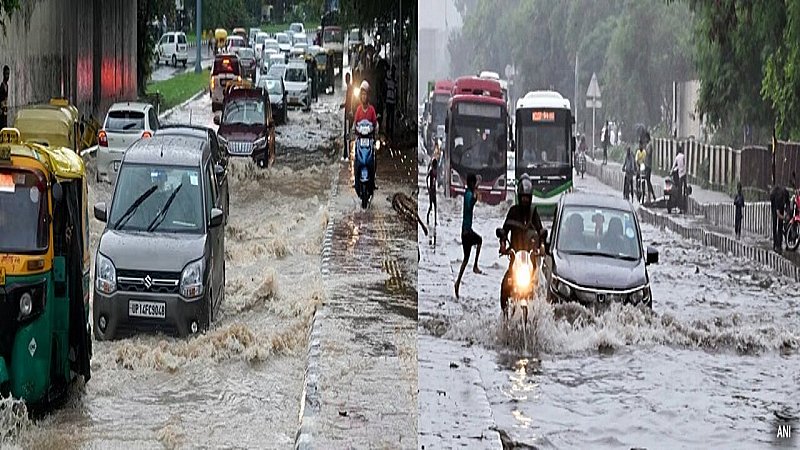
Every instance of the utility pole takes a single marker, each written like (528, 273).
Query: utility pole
(198, 31)
(575, 131)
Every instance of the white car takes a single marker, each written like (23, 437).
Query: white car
(297, 27)
(172, 48)
(300, 38)
(284, 42)
(125, 124)
(271, 58)
(298, 85)
(260, 39)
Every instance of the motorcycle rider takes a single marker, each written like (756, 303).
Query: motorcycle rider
(521, 220)
(365, 111)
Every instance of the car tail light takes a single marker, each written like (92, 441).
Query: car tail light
(212, 83)
(102, 138)
(146, 135)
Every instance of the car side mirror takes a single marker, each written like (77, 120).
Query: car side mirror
(500, 233)
(216, 120)
(100, 212)
(217, 217)
(652, 256)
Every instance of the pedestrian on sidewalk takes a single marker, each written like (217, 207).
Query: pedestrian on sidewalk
(469, 238)
(648, 165)
(606, 140)
(679, 179)
(779, 202)
(738, 203)
(430, 181)
(629, 167)
(4, 97)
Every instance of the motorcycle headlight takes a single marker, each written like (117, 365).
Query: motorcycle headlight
(105, 275)
(356, 92)
(260, 142)
(522, 276)
(377, 144)
(641, 296)
(192, 280)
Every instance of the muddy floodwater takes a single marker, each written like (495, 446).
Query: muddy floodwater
(715, 365)
(239, 385)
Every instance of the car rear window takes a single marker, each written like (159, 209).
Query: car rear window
(125, 121)
(295, 74)
(246, 53)
(181, 39)
(226, 65)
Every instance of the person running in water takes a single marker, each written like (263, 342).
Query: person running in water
(469, 237)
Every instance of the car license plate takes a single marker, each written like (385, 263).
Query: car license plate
(294, 99)
(364, 142)
(116, 166)
(156, 310)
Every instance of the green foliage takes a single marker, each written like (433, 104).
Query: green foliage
(179, 88)
(636, 47)
(7, 9)
(781, 84)
(148, 10)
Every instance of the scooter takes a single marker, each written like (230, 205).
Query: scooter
(524, 278)
(581, 163)
(364, 164)
(791, 230)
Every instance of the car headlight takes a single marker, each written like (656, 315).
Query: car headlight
(25, 304)
(192, 279)
(105, 275)
(643, 295)
(32, 301)
(559, 287)
(260, 142)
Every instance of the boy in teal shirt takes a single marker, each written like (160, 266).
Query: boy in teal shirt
(469, 237)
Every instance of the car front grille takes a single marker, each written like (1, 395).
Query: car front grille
(240, 148)
(152, 282)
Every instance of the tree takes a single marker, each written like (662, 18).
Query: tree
(148, 11)
(7, 9)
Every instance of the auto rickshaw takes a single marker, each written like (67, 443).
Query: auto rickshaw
(325, 70)
(45, 336)
(220, 36)
(56, 124)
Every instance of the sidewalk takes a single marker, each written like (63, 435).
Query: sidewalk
(697, 225)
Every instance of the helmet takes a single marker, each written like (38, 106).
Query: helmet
(364, 86)
(524, 188)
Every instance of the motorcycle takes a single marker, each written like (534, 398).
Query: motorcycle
(641, 184)
(524, 276)
(581, 163)
(364, 164)
(791, 231)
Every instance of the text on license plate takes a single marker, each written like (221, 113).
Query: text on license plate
(147, 309)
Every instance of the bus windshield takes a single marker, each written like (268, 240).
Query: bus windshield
(439, 108)
(479, 143)
(543, 141)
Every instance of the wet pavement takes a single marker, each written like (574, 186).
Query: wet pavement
(239, 385)
(714, 365)
(366, 395)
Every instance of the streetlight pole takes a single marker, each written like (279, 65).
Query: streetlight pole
(198, 12)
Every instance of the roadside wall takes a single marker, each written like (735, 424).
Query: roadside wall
(84, 50)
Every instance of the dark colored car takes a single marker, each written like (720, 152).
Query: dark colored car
(247, 58)
(595, 256)
(161, 257)
(247, 127)
(277, 97)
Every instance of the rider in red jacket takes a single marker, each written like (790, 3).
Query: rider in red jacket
(365, 110)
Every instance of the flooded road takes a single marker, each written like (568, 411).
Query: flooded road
(239, 385)
(715, 365)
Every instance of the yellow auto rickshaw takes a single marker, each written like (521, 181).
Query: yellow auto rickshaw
(220, 36)
(324, 61)
(44, 269)
(56, 124)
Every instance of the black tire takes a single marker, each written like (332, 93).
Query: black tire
(174, 61)
(793, 236)
(184, 63)
(364, 201)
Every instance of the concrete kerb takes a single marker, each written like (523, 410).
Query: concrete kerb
(310, 402)
(719, 241)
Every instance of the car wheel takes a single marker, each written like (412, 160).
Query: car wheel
(174, 61)
(184, 63)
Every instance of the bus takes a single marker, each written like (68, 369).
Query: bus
(437, 111)
(503, 83)
(476, 131)
(544, 144)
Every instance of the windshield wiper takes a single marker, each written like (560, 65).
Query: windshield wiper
(131, 209)
(163, 212)
(128, 126)
(607, 255)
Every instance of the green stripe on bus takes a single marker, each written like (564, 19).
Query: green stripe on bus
(563, 188)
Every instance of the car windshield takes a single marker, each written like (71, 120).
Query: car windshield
(23, 212)
(226, 65)
(332, 35)
(246, 53)
(283, 38)
(143, 192)
(295, 74)
(261, 38)
(271, 45)
(272, 86)
(296, 27)
(236, 41)
(607, 232)
(244, 111)
(125, 121)
(276, 71)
